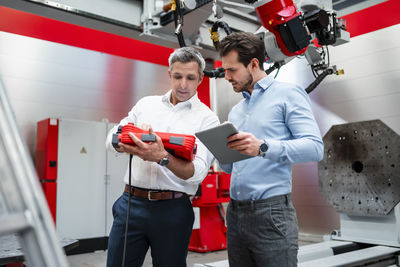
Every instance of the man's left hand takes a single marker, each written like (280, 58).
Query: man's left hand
(245, 143)
(153, 151)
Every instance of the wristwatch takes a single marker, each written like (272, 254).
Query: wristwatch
(263, 149)
(164, 161)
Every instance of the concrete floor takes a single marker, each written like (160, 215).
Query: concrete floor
(98, 259)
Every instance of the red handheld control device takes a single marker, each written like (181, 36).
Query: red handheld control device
(179, 145)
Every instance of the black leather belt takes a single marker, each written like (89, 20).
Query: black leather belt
(154, 194)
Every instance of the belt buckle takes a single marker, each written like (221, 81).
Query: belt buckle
(149, 195)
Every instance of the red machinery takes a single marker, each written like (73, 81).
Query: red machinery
(179, 145)
(283, 20)
(211, 235)
(46, 160)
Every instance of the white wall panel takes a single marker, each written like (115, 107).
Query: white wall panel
(45, 79)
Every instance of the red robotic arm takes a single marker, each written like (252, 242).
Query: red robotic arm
(281, 18)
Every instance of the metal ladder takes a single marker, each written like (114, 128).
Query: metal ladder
(23, 209)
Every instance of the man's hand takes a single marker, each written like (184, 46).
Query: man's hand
(153, 151)
(245, 143)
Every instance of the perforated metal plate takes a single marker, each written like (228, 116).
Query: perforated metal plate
(360, 172)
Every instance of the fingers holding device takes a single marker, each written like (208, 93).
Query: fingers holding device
(179, 145)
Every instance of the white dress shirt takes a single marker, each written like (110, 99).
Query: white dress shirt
(184, 118)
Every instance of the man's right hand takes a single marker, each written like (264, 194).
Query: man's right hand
(245, 143)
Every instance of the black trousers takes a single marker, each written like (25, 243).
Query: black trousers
(163, 225)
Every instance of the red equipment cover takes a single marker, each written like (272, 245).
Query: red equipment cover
(275, 13)
(180, 145)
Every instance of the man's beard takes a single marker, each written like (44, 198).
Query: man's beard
(248, 83)
(245, 85)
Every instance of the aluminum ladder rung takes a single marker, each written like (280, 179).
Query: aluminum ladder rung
(12, 223)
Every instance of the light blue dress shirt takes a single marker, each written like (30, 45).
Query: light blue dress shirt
(280, 114)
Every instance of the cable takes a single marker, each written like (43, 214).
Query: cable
(178, 19)
(276, 74)
(178, 26)
(214, 36)
(128, 211)
(272, 68)
(318, 80)
(327, 52)
(217, 73)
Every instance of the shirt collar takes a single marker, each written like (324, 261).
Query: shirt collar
(262, 84)
(188, 103)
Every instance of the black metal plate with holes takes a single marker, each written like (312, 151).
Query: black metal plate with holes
(360, 171)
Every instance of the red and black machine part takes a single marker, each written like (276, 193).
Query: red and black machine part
(179, 145)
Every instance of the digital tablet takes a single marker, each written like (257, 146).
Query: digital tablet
(215, 139)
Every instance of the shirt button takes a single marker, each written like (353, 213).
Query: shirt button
(238, 193)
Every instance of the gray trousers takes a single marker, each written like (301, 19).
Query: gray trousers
(262, 233)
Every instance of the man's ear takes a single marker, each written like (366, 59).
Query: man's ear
(201, 78)
(169, 73)
(254, 64)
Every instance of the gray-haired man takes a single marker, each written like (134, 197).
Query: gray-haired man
(165, 224)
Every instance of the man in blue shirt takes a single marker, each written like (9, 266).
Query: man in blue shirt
(277, 127)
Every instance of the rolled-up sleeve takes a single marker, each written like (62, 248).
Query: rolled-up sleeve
(204, 158)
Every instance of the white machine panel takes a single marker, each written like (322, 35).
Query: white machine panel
(90, 179)
(80, 188)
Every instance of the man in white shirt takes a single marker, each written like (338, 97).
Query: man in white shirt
(161, 214)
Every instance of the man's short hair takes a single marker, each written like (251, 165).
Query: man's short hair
(246, 44)
(186, 55)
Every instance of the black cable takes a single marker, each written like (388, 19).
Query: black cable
(271, 69)
(214, 29)
(181, 40)
(318, 80)
(327, 52)
(217, 73)
(178, 18)
(128, 211)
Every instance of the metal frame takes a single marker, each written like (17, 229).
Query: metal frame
(26, 211)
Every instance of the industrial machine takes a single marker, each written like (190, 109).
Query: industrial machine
(360, 177)
(289, 30)
(209, 231)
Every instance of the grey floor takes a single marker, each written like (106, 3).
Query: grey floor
(98, 259)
